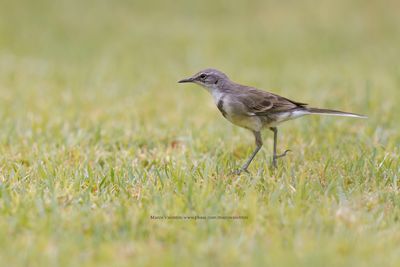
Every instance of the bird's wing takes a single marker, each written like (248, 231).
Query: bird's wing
(261, 103)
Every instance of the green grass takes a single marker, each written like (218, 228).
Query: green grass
(96, 136)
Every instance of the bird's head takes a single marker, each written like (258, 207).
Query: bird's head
(208, 78)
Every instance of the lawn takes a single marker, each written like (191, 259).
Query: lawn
(96, 136)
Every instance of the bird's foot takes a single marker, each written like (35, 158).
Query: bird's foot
(283, 154)
(241, 170)
(275, 157)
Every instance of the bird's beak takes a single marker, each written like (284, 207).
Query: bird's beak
(188, 80)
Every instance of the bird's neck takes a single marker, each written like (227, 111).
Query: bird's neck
(216, 91)
(212, 88)
(219, 87)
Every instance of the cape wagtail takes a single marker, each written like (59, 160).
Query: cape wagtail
(254, 109)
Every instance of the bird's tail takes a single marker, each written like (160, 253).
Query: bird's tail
(322, 111)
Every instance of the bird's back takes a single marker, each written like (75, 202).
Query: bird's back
(259, 102)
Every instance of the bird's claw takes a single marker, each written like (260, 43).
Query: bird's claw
(275, 157)
(238, 172)
(283, 154)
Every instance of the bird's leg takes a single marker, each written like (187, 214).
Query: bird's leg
(259, 143)
(275, 156)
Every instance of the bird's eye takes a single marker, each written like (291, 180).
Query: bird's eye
(202, 76)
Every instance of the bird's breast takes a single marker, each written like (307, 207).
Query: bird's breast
(239, 119)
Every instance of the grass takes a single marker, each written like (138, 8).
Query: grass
(96, 136)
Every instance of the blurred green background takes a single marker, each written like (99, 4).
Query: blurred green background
(119, 53)
(96, 135)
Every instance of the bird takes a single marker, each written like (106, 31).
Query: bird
(255, 109)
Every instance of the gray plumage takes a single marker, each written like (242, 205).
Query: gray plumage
(254, 109)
